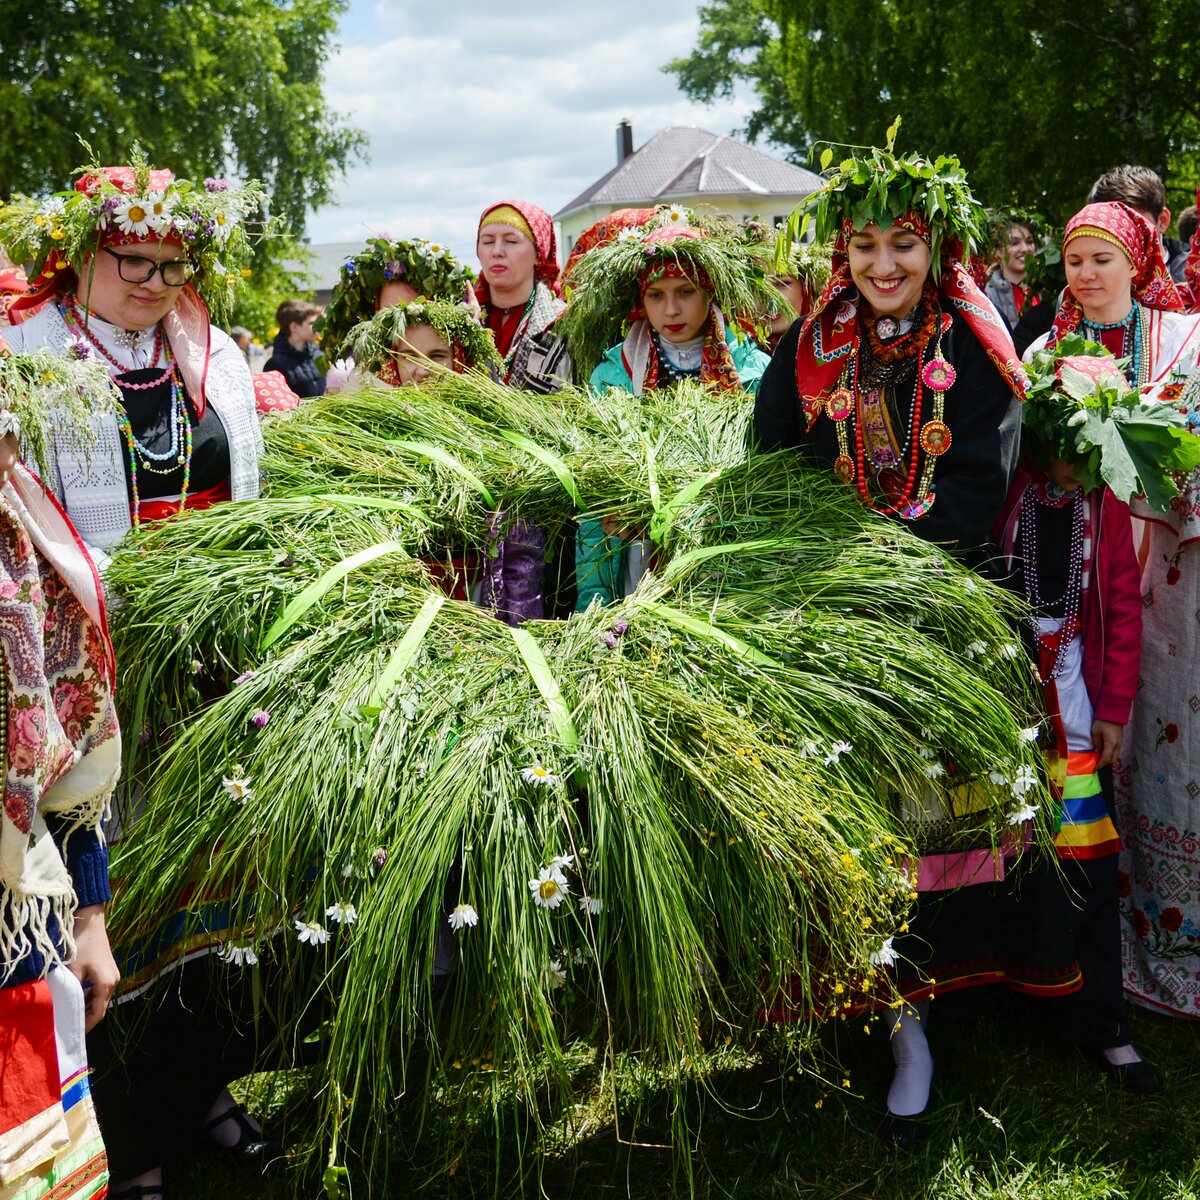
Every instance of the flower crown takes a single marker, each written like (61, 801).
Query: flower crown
(372, 343)
(112, 204)
(873, 186)
(429, 268)
(1080, 407)
(605, 283)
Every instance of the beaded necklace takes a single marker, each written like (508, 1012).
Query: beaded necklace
(141, 456)
(1031, 502)
(862, 393)
(1135, 343)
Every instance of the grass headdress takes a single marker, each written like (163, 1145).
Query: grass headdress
(129, 204)
(1080, 407)
(607, 283)
(373, 343)
(429, 268)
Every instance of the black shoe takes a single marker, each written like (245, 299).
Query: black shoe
(904, 1133)
(1139, 1078)
(255, 1147)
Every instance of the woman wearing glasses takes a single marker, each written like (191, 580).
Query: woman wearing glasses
(123, 262)
(128, 267)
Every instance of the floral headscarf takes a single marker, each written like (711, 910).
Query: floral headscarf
(603, 232)
(1135, 235)
(830, 333)
(541, 225)
(1192, 270)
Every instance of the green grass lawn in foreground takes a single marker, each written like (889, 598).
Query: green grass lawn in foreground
(1017, 1117)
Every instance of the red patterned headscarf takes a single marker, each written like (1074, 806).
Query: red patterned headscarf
(604, 231)
(1134, 234)
(1192, 271)
(830, 333)
(541, 225)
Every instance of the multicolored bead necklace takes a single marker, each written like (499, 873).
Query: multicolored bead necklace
(1135, 342)
(140, 456)
(863, 394)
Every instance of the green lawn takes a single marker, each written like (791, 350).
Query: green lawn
(1017, 1116)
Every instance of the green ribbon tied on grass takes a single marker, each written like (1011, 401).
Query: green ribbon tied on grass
(403, 656)
(539, 670)
(556, 464)
(703, 629)
(437, 454)
(311, 595)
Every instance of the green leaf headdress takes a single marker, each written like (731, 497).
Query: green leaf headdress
(429, 268)
(109, 205)
(1079, 407)
(372, 343)
(877, 186)
(607, 282)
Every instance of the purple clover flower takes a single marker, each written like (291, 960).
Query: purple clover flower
(215, 185)
(379, 857)
(79, 351)
(609, 639)
(244, 677)
(259, 719)
(620, 628)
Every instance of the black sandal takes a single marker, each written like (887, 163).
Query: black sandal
(254, 1146)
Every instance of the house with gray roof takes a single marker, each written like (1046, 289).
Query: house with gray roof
(691, 167)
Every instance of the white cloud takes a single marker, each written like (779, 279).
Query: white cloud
(464, 107)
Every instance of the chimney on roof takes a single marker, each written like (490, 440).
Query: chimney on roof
(624, 141)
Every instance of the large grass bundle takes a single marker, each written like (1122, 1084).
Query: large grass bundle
(656, 811)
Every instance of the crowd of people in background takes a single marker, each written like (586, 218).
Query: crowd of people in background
(886, 351)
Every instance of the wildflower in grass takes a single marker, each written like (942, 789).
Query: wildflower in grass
(237, 788)
(238, 955)
(885, 956)
(244, 677)
(998, 778)
(341, 914)
(379, 857)
(1023, 782)
(927, 752)
(463, 915)
(311, 933)
(1030, 735)
(1010, 650)
(976, 649)
(934, 770)
(549, 888)
(1018, 816)
(259, 719)
(560, 863)
(808, 749)
(835, 753)
(591, 904)
(538, 775)
(556, 977)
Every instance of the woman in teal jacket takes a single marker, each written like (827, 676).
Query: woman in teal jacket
(670, 286)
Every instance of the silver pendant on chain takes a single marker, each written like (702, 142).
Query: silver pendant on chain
(131, 339)
(887, 327)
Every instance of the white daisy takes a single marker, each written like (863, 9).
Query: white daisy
(311, 933)
(1019, 816)
(629, 235)
(560, 863)
(678, 215)
(436, 250)
(591, 904)
(158, 212)
(237, 788)
(341, 914)
(238, 956)
(54, 207)
(132, 215)
(538, 775)
(1023, 782)
(885, 956)
(463, 915)
(222, 225)
(934, 770)
(549, 888)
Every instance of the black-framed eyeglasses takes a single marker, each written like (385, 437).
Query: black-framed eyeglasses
(133, 268)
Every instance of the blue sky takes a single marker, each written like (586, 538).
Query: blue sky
(467, 102)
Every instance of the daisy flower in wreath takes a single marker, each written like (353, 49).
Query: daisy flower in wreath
(549, 887)
(158, 212)
(132, 215)
(538, 775)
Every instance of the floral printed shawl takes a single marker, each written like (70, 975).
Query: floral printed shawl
(62, 747)
(829, 335)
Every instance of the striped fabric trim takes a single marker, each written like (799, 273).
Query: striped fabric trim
(1087, 830)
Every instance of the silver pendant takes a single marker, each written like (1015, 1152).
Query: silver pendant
(887, 327)
(132, 339)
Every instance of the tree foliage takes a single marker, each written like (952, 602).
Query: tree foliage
(1037, 97)
(206, 86)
